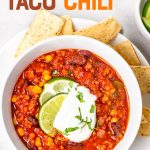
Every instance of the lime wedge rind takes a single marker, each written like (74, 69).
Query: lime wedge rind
(53, 87)
(146, 23)
(45, 120)
(146, 10)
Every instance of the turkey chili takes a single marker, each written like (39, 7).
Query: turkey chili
(86, 69)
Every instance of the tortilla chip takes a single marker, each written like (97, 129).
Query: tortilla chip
(104, 31)
(142, 74)
(145, 123)
(144, 129)
(68, 26)
(146, 113)
(144, 120)
(126, 50)
(44, 26)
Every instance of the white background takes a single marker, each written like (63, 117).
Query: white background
(12, 22)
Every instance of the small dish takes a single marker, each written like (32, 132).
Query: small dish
(140, 24)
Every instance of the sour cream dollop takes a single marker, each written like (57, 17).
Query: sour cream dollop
(76, 118)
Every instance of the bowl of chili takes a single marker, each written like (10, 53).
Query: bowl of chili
(91, 64)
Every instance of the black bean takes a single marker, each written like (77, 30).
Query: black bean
(33, 120)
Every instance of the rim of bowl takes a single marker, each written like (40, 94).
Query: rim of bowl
(138, 119)
(139, 21)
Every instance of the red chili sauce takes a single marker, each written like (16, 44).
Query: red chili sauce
(89, 70)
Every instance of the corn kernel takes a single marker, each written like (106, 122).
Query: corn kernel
(112, 91)
(106, 71)
(45, 72)
(113, 120)
(14, 99)
(49, 141)
(38, 142)
(48, 58)
(41, 84)
(105, 98)
(40, 148)
(20, 131)
(36, 89)
(64, 72)
(47, 77)
(113, 112)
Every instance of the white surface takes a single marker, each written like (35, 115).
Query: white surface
(76, 42)
(11, 22)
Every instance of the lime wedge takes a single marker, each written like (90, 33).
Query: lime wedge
(48, 112)
(55, 86)
(146, 23)
(146, 10)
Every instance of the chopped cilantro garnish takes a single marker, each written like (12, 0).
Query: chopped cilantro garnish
(92, 109)
(79, 117)
(85, 122)
(67, 130)
(89, 123)
(83, 125)
(80, 111)
(62, 132)
(80, 97)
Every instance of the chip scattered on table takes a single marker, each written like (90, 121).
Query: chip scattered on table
(144, 129)
(68, 26)
(144, 120)
(146, 113)
(45, 25)
(142, 74)
(104, 31)
(126, 50)
(145, 123)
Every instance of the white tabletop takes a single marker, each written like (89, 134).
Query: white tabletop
(12, 22)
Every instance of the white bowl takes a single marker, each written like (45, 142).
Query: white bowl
(77, 42)
(138, 15)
